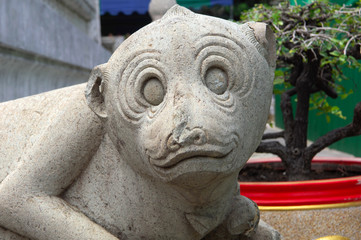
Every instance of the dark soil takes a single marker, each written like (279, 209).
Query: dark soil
(270, 172)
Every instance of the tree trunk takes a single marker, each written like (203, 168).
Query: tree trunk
(299, 169)
(298, 166)
(295, 154)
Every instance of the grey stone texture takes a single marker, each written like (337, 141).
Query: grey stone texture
(47, 44)
(153, 149)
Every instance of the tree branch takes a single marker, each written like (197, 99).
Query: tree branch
(322, 84)
(287, 113)
(348, 43)
(273, 135)
(350, 130)
(289, 60)
(273, 147)
(319, 29)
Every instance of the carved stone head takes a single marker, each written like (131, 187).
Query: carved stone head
(186, 98)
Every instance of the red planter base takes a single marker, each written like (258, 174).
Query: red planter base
(328, 193)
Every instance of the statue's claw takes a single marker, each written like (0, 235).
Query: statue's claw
(264, 232)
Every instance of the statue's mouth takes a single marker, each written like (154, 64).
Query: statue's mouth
(205, 152)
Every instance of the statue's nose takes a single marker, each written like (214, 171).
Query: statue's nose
(187, 118)
(195, 136)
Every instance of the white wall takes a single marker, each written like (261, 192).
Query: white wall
(47, 44)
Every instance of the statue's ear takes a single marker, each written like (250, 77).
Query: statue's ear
(94, 92)
(265, 37)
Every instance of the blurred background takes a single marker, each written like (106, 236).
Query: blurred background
(119, 18)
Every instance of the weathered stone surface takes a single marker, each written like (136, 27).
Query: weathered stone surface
(172, 118)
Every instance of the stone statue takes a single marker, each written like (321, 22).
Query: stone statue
(175, 113)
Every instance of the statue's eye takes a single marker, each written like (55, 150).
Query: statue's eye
(153, 91)
(216, 80)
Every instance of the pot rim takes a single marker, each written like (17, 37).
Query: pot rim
(306, 195)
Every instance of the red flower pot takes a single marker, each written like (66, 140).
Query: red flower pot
(310, 209)
(309, 194)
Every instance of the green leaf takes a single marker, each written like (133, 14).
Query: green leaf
(335, 53)
(342, 59)
(277, 91)
(328, 47)
(278, 80)
(292, 51)
(328, 118)
(345, 95)
(323, 63)
(279, 73)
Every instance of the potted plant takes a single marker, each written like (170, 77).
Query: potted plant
(315, 43)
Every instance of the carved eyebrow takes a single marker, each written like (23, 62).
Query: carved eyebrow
(217, 40)
(134, 59)
(141, 55)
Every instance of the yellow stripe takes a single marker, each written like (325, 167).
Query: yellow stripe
(334, 237)
(309, 207)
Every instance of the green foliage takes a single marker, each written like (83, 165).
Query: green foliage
(318, 101)
(332, 33)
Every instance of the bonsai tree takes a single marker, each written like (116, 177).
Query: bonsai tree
(315, 43)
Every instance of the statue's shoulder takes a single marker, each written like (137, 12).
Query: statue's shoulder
(23, 120)
(33, 107)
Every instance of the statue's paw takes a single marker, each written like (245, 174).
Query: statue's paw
(241, 222)
(244, 217)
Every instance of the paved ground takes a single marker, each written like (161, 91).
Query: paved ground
(324, 153)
